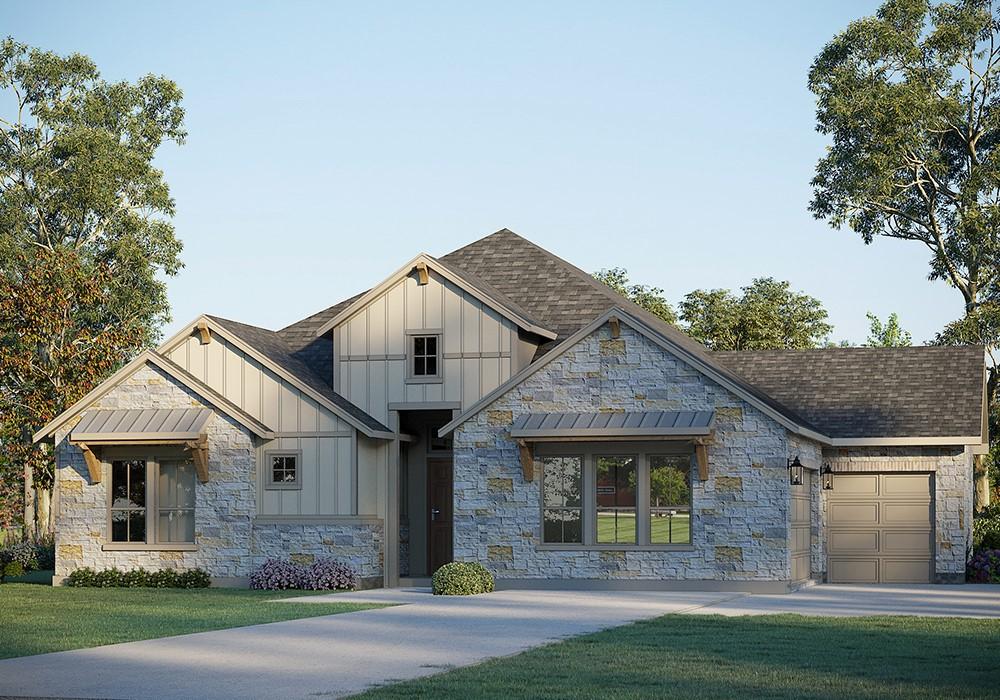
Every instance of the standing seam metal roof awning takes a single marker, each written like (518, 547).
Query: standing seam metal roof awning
(621, 424)
(133, 424)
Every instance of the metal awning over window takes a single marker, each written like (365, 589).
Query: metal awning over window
(146, 426)
(130, 425)
(629, 424)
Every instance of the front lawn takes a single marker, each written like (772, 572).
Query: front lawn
(779, 656)
(36, 619)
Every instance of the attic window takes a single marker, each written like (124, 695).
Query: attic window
(424, 360)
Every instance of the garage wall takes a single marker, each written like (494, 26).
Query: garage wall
(952, 469)
(810, 453)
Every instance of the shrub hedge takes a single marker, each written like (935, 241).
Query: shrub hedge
(462, 578)
(138, 578)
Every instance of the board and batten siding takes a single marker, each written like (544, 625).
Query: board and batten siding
(479, 347)
(327, 443)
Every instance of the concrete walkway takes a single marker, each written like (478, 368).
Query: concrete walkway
(343, 654)
(335, 655)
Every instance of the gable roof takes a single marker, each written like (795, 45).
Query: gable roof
(711, 369)
(178, 373)
(911, 392)
(477, 287)
(270, 349)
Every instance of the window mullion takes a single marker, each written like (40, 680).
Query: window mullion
(152, 512)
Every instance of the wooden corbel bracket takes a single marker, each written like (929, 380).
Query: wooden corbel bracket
(616, 327)
(701, 454)
(423, 275)
(93, 463)
(199, 454)
(204, 332)
(527, 460)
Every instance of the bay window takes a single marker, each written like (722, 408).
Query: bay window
(615, 495)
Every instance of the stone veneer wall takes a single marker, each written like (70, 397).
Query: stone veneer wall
(953, 492)
(810, 454)
(740, 518)
(230, 543)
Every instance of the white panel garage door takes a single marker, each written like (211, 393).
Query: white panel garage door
(880, 528)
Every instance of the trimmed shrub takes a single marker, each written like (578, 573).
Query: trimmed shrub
(277, 575)
(984, 566)
(462, 578)
(330, 575)
(24, 553)
(11, 568)
(138, 578)
(45, 552)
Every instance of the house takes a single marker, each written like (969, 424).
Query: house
(499, 405)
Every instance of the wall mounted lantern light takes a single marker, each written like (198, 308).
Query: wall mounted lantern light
(795, 469)
(826, 473)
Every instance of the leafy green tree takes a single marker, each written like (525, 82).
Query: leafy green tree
(85, 239)
(910, 99)
(887, 335)
(668, 486)
(649, 298)
(766, 315)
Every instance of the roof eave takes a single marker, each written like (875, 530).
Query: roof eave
(451, 275)
(230, 336)
(657, 337)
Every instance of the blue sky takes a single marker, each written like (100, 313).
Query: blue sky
(331, 142)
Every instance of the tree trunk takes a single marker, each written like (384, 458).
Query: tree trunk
(29, 504)
(43, 512)
(981, 479)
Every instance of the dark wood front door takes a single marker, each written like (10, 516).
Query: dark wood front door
(439, 500)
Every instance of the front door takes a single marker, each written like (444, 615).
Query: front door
(439, 500)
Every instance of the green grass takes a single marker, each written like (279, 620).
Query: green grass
(36, 619)
(779, 656)
(659, 529)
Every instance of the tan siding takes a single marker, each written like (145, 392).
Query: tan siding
(327, 462)
(371, 347)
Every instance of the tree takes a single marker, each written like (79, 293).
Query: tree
(910, 99)
(649, 298)
(767, 315)
(86, 238)
(887, 335)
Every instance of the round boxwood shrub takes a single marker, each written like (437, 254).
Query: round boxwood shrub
(462, 578)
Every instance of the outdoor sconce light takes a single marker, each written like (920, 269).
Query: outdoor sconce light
(795, 469)
(826, 473)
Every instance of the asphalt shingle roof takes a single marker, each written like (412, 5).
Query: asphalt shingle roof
(840, 392)
(873, 392)
(273, 347)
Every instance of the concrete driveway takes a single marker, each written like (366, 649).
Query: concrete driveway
(342, 654)
(335, 655)
(852, 601)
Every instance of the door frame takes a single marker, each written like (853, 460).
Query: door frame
(445, 459)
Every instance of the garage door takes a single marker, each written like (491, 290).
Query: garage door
(801, 556)
(880, 528)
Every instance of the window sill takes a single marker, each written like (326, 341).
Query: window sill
(143, 547)
(615, 548)
(424, 380)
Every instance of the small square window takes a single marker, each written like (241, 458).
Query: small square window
(283, 470)
(424, 358)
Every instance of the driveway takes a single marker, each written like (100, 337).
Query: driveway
(343, 654)
(335, 655)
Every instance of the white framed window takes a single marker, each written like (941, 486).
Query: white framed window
(283, 469)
